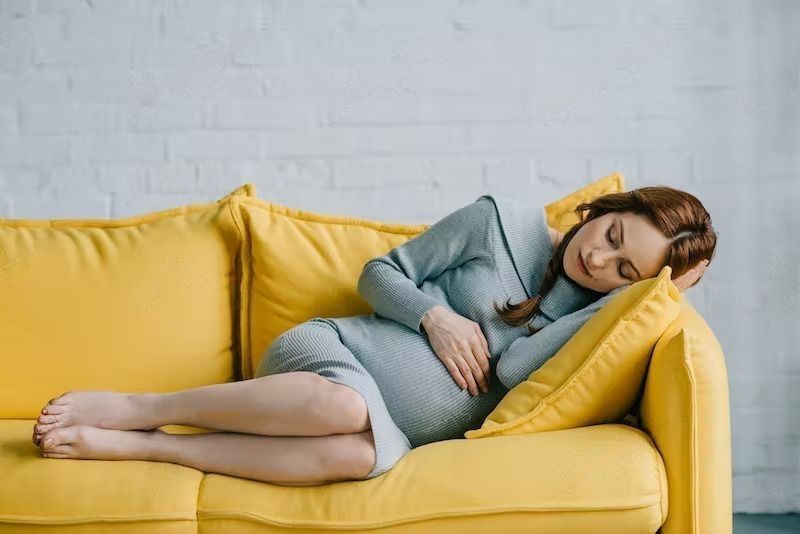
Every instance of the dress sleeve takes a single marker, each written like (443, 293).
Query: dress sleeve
(391, 283)
(527, 353)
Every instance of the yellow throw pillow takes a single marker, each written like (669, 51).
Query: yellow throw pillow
(245, 190)
(597, 375)
(142, 303)
(561, 213)
(302, 264)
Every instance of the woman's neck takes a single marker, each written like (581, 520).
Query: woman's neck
(555, 237)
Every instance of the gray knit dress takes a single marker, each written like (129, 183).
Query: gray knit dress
(493, 249)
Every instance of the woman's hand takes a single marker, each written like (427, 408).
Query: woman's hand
(460, 344)
(685, 281)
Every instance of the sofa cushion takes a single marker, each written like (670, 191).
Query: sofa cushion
(143, 303)
(597, 375)
(302, 265)
(605, 478)
(38, 493)
(561, 213)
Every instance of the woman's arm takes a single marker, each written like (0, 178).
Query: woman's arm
(390, 283)
(527, 353)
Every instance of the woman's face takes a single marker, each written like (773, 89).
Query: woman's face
(616, 249)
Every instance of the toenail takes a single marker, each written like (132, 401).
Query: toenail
(44, 410)
(48, 442)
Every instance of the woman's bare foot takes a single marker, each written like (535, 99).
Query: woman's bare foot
(101, 409)
(92, 443)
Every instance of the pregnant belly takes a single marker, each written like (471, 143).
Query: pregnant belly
(420, 394)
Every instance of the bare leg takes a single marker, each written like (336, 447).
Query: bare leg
(299, 403)
(285, 460)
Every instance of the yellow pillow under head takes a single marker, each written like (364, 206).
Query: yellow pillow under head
(596, 376)
(561, 213)
(142, 303)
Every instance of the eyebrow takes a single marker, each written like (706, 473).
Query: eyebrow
(622, 242)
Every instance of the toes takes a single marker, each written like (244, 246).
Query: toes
(44, 429)
(62, 419)
(55, 455)
(59, 436)
(49, 440)
(60, 449)
(54, 406)
(61, 399)
(39, 440)
(48, 419)
(53, 409)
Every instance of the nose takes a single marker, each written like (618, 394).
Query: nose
(597, 259)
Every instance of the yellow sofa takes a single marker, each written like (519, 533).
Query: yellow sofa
(175, 299)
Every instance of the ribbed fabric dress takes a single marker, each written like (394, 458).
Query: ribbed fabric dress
(493, 249)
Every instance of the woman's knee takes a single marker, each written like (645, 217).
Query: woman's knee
(367, 454)
(343, 407)
(353, 457)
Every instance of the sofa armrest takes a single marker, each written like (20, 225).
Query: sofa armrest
(685, 409)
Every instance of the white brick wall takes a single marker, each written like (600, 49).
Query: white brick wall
(406, 110)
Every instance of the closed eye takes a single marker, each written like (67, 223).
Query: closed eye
(608, 235)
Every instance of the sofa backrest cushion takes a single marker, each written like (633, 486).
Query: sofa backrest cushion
(303, 265)
(142, 303)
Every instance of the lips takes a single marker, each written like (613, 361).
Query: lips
(582, 266)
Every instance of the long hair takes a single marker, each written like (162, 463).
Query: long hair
(679, 215)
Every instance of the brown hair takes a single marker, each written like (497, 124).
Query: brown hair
(679, 215)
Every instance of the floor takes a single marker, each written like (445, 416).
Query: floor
(765, 523)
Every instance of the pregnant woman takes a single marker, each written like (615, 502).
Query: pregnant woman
(346, 398)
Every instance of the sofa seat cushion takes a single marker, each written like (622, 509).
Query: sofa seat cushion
(90, 495)
(603, 478)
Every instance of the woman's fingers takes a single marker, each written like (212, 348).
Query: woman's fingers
(467, 374)
(698, 271)
(485, 344)
(484, 360)
(455, 372)
(691, 276)
(480, 366)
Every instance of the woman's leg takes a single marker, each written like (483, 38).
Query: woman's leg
(285, 460)
(298, 403)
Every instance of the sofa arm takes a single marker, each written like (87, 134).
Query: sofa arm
(685, 409)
